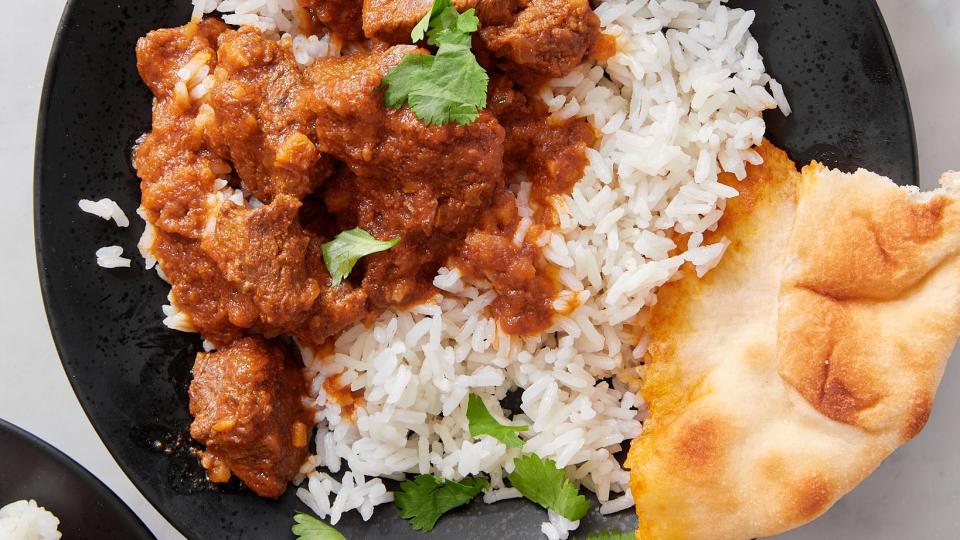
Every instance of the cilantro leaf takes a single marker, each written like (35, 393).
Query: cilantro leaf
(612, 535)
(404, 75)
(482, 423)
(453, 28)
(421, 27)
(457, 71)
(468, 22)
(453, 88)
(342, 253)
(542, 482)
(311, 528)
(450, 86)
(425, 498)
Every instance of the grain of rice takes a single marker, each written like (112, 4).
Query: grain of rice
(110, 257)
(105, 209)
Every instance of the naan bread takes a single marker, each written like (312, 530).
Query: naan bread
(785, 376)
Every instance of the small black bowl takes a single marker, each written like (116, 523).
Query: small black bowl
(87, 509)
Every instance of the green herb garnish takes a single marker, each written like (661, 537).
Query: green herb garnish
(542, 482)
(424, 24)
(311, 528)
(449, 86)
(425, 498)
(481, 422)
(612, 535)
(342, 253)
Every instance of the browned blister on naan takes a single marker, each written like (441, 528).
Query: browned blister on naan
(785, 376)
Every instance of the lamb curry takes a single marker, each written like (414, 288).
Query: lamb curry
(317, 152)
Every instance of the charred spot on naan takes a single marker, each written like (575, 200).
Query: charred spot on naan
(803, 496)
(700, 444)
(819, 350)
(919, 414)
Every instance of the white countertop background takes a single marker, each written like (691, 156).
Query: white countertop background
(915, 494)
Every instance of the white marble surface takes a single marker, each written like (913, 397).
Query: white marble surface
(915, 494)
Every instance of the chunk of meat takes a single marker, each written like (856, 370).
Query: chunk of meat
(215, 307)
(177, 171)
(525, 290)
(248, 406)
(430, 219)
(465, 163)
(389, 209)
(257, 268)
(491, 12)
(341, 17)
(336, 309)
(393, 20)
(257, 116)
(265, 254)
(348, 104)
(394, 144)
(161, 53)
(552, 154)
(547, 39)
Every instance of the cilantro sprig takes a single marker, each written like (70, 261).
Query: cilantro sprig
(481, 422)
(542, 482)
(449, 86)
(311, 528)
(341, 254)
(425, 498)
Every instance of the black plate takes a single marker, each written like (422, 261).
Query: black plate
(87, 509)
(833, 57)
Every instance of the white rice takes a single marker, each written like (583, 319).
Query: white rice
(25, 520)
(679, 103)
(106, 209)
(558, 527)
(111, 257)
(194, 79)
(277, 19)
(352, 492)
(271, 16)
(306, 49)
(145, 244)
(619, 504)
(175, 319)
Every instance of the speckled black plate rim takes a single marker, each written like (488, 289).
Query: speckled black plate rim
(133, 526)
(50, 79)
(898, 72)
